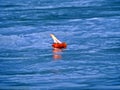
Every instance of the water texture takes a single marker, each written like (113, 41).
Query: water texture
(91, 28)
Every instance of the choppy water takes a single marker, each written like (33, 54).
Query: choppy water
(90, 27)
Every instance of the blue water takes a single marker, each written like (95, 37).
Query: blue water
(91, 28)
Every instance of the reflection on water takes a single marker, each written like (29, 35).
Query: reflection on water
(57, 54)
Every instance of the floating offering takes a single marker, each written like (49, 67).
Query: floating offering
(57, 43)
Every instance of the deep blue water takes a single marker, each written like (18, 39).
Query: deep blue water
(91, 29)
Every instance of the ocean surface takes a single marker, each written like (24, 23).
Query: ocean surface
(91, 61)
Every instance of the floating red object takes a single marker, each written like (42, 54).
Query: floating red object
(57, 43)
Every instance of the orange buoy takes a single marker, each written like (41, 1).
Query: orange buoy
(57, 43)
